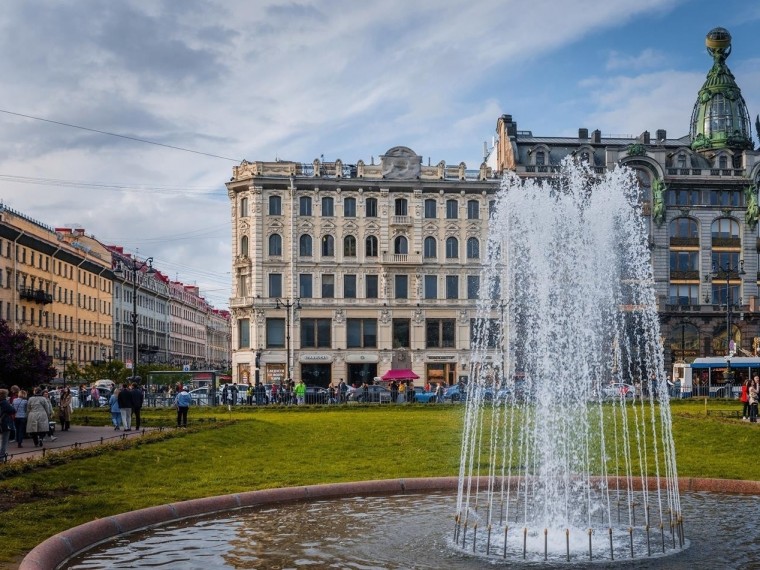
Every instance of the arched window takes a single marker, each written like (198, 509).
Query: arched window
(304, 206)
(244, 246)
(349, 208)
(452, 209)
(540, 158)
(452, 248)
(275, 244)
(684, 228)
(725, 228)
(473, 248)
(349, 246)
(723, 162)
(328, 246)
(473, 210)
(304, 245)
(431, 206)
(430, 248)
(401, 245)
(684, 341)
(243, 207)
(370, 246)
(401, 207)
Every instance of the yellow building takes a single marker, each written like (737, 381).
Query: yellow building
(55, 285)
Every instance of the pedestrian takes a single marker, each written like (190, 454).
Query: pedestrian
(224, 395)
(439, 393)
(64, 409)
(82, 396)
(113, 404)
(754, 393)
(7, 424)
(744, 399)
(39, 412)
(20, 404)
(182, 403)
(401, 392)
(300, 392)
(343, 389)
(94, 396)
(13, 393)
(137, 396)
(125, 407)
(51, 422)
(394, 392)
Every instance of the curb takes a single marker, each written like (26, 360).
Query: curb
(64, 545)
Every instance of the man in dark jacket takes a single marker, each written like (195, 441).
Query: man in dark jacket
(137, 402)
(124, 399)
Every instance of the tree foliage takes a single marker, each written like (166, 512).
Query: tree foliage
(22, 363)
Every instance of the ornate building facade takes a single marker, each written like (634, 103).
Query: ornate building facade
(347, 271)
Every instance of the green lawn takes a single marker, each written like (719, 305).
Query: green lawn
(271, 447)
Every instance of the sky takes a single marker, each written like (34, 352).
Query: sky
(193, 87)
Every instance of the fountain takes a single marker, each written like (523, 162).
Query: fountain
(567, 450)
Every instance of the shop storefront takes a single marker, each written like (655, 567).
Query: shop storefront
(361, 368)
(441, 369)
(316, 369)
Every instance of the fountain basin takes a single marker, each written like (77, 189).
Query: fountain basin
(60, 548)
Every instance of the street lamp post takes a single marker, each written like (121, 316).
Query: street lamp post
(719, 272)
(63, 354)
(288, 306)
(121, 272)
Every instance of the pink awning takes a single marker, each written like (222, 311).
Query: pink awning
(400, 374)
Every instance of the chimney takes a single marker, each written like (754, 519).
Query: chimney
(645, 137)
(662, 134)
(583, 134)
(596, 136)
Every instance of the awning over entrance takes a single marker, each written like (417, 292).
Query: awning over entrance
(400, 374)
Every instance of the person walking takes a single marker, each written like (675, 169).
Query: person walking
(754, 394)
(64, 409)
(138, 398)
(182, 403)
(744, 399)
(94, 396)
(394, 392)
(300, 392)
(19, 404)
(7, 424)
(125, 407)
(39, 412)
(113, 404)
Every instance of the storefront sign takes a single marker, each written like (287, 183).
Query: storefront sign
(275, 373)
(315, 358)
(440, 357)
(362, 357)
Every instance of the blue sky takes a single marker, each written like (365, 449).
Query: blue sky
(298, 79)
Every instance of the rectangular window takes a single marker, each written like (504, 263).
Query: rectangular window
(349, 286)
(304, 286)
(484, 333)
(402, 286)
(275, 284)
(401, 333)
(316, 333)
(473, 286)
(371, 208)
(361, 333)
(452, 287)
(440, 333)
(349, 207)
(275, 206)
(431, 286)
(275, 333)
(328, 286)
(452, 209)
(430, 208)
(244, 332)
(371, 286)
(304, 206)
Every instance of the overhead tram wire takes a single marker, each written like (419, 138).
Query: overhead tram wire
(103, 186)
(119, 136)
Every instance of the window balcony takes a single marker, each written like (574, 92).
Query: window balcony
(726, 242)
(684, 242)
(402, 258)
(401, 220)
(684, 275)
(240, 302)
(36, 295)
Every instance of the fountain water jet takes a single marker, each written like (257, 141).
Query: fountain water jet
(567, 450)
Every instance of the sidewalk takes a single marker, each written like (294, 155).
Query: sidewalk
(77, 436)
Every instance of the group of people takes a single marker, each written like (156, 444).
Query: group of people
(22, 415)
(749, 397)
(124, 402)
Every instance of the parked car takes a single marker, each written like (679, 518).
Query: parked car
(423, 397)
(456, 393)
(200, 396)
(615, 390)
(317, 395)
(105, 394)
(372, 393)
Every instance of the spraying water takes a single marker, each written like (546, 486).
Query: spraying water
(567, 451)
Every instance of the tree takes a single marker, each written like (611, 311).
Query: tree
(21, 363)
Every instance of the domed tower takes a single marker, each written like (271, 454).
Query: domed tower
(720, 118)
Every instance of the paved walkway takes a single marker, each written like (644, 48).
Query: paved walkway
(77, 436)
